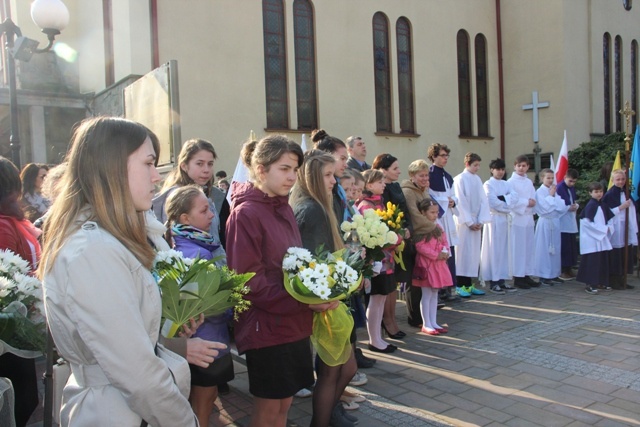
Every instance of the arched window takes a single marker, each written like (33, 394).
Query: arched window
(464, 84)
(482, 95)
(275, 64)
(606, 75)
(306, 95)
(405, 76)
(382, 72)
(634, 83)
(618, 82)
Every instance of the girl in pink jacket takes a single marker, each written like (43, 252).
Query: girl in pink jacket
(431, 272)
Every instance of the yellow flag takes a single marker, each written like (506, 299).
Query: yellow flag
(617, 164)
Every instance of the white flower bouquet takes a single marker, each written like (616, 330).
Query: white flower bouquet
(319, 279)
(22, 323)
(191, 287)
(373, 233)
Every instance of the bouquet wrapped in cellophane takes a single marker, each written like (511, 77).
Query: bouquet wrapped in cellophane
(319, 279)
(394, 218)
(191, 287)
(22, 321)
(370, 230)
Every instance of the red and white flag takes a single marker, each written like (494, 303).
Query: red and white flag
(563, 160)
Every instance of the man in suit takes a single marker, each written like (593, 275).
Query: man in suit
(357, 153)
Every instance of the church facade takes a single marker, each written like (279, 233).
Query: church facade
(472, 74)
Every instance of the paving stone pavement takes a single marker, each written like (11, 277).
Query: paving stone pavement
(552, 356)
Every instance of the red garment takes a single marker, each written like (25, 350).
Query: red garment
(260, 229)
(433, 272)
(16, 235)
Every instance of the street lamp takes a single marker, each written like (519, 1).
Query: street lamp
(51, 16)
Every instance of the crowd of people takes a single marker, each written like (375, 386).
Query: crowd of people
(99, 220)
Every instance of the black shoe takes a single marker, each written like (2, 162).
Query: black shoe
(389, 349)
(519, 282)
(529, 281)
(363, 361)
(397, 336)
(223, 389)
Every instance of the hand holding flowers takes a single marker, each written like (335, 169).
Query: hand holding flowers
(191, 287)
(321, 281)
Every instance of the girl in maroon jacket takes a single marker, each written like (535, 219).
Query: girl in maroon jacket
(274, 332)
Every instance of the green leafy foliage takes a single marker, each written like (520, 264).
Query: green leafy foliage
(589, 158)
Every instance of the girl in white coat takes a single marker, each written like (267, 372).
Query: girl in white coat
(102, 303)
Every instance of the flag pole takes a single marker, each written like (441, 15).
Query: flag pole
(627, 112)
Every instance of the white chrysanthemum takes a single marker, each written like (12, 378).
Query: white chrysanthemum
(306, 274)
(289, 263)
(4, 293)
(323, 292)
(7, 284)
(322, 270)
(301, 253)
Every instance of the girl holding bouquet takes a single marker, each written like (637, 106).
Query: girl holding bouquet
(311, 201)
(431, 272)
(274, 332)
(18, 235)
(102, 302)
(385, 282)
(188, 216)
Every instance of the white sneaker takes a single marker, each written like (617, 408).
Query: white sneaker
(358, 379)
(303, 392)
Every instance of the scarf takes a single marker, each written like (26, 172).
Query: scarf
(192, 233)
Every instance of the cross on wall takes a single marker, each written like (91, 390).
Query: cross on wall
(535, 106)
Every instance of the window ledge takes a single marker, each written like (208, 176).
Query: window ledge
(476, 138)
(278, 130)
(395, 135)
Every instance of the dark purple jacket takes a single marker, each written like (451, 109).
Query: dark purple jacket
(260, 229)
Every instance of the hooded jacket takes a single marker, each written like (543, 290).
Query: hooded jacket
(260, 229)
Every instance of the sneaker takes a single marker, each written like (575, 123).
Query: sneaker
(496, 289)
(348, 417)
(508, 288)
(590, 290)
(303, 392)
(358, 379)
(566, 277)
(462, 292)
(546, 282)
(519, 282)
(339, 417)
(605, 288)
(474, 291)
(557, 280)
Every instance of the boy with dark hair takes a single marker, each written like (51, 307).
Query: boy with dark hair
(473, 212)
(522, 225)
(495, 254)
(595, 231)
(568, 225)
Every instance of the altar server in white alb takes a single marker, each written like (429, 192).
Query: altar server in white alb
(494, 256)
(473, 213)
(522, 226)
(616, 200)
(441, 190)
(595, 232)
(549, 207)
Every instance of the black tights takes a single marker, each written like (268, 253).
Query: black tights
(331, 382)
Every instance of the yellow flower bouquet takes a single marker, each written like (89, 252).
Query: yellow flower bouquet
(319, 279)
(394, 218)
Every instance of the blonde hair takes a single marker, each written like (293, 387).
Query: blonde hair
(268, 151)
(310, 184)
(618, 172)
(180, 201)
(418, 166)
(178, 176)
(97, 175)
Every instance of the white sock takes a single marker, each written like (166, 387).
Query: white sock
(375, 310)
